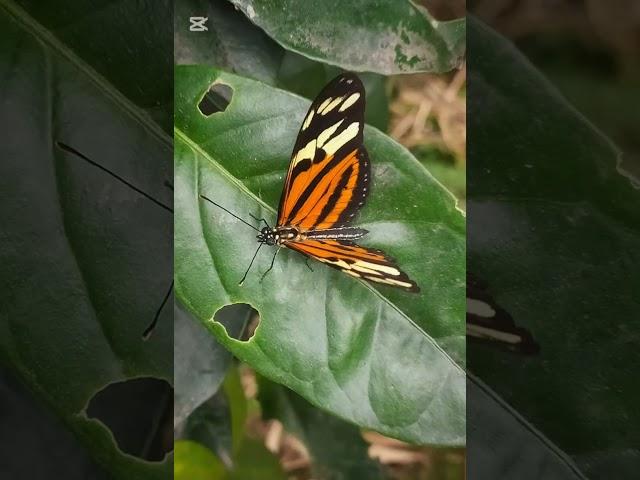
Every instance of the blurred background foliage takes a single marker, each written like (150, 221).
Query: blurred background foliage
(588, 49)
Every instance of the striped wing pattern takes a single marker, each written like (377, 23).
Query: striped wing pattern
(360, 262)
(328, 182)
(490, 323)
(329, 173)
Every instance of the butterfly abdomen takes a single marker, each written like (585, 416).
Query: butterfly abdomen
(282, 235)
(342, 233)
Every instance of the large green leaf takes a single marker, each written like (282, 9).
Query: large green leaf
(556, 232)
(376, 358)
(362, 35)
(85, 259)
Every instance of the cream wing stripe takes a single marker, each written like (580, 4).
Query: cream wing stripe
(331, 106)
(349, 101)
(349, 133)
(307, 121)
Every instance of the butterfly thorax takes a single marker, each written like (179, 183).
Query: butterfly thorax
(280, 235)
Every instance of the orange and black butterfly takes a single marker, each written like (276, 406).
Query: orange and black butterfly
(327, 183)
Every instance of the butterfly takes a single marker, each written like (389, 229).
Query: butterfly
(488, 322)
(327, 183)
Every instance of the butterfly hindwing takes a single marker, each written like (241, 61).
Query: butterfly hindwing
(328, 177)
(360, 262)
(489, 322)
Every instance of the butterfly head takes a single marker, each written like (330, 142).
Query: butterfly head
(268, 235)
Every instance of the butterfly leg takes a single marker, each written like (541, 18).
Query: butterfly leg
(306, 261)
(273, 260)
(260, 220)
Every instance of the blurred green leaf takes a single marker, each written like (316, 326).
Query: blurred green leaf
(231, 41)
(442, 165)
(238, 407)
(86, 260)
(200, 362)
(210, 426)
(501, 444)
(235, 44)
(605, 464)
(134, 55)
(196, 462)
(219, 425)
(219, 422)
(375, 358)
(363, 35)
(254, 462)
(553, 193)
(337, 448)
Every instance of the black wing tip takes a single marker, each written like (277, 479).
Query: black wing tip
(348, 77)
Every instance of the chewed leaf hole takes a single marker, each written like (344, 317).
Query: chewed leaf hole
(216, 99)
(240, 320)
(139, 413)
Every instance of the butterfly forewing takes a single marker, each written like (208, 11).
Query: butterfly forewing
(328, 177)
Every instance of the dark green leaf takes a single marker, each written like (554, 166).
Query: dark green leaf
(85, 258)
(610, 464)
(126, 42)
(337, 448)
(375, 358)
(555, 195)
(363, 35)
(501, 444)
(219, 422)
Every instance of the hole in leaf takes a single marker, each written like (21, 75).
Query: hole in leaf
(216, 99)
(139, 413)
(240, 320)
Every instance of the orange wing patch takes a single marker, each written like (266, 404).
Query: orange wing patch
(327, 198)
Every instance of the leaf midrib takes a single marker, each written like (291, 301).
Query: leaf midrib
(51, 41)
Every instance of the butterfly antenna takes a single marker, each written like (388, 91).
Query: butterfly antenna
(67, 148)
(254, 257)
(230, 213)
(147, 332)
